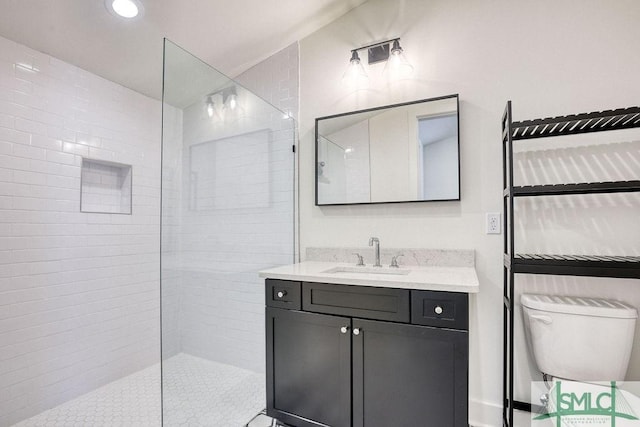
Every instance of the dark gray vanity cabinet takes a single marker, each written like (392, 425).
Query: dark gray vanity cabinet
(308, 368)
(332, 362)
(407, 375)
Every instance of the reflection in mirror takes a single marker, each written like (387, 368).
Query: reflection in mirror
(438, 146)
(399, 153)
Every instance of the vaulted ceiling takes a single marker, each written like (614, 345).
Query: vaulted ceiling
(231, 35)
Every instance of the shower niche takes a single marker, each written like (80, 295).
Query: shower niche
(105, 187)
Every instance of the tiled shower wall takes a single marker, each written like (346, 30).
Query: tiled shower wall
(276, 80)
(242, 223)
(79, 294)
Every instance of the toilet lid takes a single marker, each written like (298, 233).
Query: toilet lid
(579, 305)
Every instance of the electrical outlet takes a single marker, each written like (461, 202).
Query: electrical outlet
(493, 223)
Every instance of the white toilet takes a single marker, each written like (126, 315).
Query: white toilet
(580, 339)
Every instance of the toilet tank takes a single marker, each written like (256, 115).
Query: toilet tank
(581, 339)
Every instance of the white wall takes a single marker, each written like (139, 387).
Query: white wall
(79, 300)
(391, 163)
(550, 58)
(440, 164)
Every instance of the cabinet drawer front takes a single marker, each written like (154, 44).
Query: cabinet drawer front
(441, 309)
(283, 294)
(358, 301)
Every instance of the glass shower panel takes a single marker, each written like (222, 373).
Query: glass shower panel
(227, 212)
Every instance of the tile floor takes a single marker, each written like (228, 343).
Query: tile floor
(197, 392)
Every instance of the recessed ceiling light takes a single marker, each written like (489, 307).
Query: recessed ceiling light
(124, 8)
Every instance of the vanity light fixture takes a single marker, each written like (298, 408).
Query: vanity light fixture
(397, 65)
(227, 100)
(128, 9)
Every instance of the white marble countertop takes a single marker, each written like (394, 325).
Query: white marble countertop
(451, 279)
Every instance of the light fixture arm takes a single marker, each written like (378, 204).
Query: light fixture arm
(379, 51)
(383, 43)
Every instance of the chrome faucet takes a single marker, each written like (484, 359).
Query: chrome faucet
(376, 241)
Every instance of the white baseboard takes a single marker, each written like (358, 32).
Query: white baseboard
(484, 414)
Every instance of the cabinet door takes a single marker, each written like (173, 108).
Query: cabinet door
(408, 375)
(308, 368)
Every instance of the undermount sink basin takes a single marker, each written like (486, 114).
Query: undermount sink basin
(367, 270)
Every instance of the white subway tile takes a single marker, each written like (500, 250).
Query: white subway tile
(13, 109)
(50, 119)
(6, 70)
(7, 121)
(46, 142)
(30, 126)
(6, 94)
(58, 132)
(16, 163)
(84, 287)
(32, 103)
(100, 154)
(58, 157)
(31, 204)
(64, 170)
(73, 148)
(77, 126)
(6, 148)
(11, 135)
(28, 151)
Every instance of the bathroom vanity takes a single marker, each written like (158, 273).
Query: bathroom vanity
(356, 346)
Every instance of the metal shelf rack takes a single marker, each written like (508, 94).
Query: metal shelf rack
(574, 265)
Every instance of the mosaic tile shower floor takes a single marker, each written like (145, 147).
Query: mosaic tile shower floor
(197, 392)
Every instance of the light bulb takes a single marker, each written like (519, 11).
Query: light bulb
(210, 107)
(125, 8)
(233, 102)
(398, 67)
(355, 75)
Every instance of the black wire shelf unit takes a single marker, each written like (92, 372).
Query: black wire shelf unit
(574, 265)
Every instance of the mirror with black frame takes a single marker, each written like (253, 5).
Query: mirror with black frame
(397, 153)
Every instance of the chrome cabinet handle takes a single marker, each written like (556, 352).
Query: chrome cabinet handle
(438, 309)
(356, 331)
(281, 294)
(344, 329)
(394, 261)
